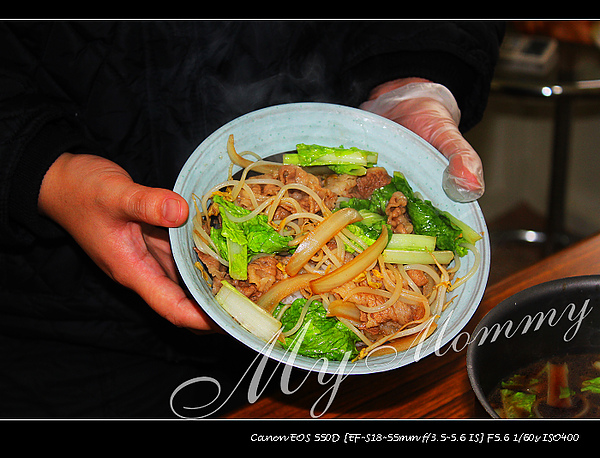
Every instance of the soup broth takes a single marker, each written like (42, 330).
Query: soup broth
(559, 387)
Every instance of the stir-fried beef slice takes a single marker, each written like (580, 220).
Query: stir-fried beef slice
(261, 191)
(375, 178)
(398, 218)
(262, 272)
(418, 276)
(400, 313)
(216, 270)
(357, 186)
(342, 185)
(294, 174)
(387, 320)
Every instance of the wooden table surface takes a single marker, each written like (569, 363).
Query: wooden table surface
(436, 387)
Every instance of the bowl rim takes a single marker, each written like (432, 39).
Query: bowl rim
(505, 308)
(428, 347)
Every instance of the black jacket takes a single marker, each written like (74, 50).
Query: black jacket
(145, 94)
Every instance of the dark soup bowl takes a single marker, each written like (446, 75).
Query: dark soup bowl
(537, 353)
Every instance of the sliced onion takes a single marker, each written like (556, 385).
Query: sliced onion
(322, 234)
(344, 309)
(265, 167)
(352, 269)
(417, 257)
(282, 289)
(247, 313)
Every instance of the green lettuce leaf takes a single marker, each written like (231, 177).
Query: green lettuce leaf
(325, 337)
(428, 220)
(352, 161)
(216, 235)
(425, 217)
(238, 259)
(239, 242)
(368, 229)
(376, 204)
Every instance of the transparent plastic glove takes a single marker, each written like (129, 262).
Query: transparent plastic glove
(430, 111)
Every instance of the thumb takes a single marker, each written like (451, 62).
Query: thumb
(463, 178)
(155, 206)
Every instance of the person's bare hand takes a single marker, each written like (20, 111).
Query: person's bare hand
(121, 226)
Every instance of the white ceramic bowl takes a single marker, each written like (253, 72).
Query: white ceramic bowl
(278, 129)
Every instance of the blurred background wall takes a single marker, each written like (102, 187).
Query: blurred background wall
(515, 139)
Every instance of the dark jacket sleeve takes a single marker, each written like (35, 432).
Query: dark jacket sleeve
(460, 55)
(34, 131)
(39, 121)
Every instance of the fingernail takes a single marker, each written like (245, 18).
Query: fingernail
(171, 210)
(460, 193)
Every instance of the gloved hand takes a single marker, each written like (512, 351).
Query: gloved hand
(430, 111)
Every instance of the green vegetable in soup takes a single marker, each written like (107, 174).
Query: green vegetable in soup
(592, 385)
(517, 404)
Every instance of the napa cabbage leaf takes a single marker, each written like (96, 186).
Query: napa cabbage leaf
(322, 336)
(239, 242)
